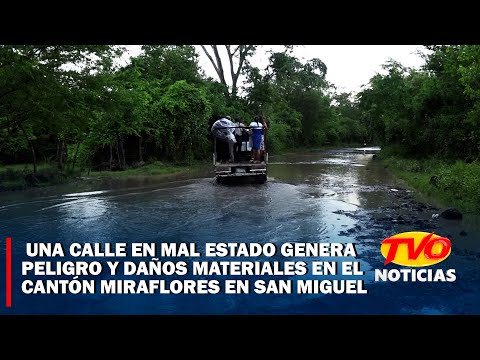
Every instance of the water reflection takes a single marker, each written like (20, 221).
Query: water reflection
(86, 193)
(341, 196)
(86, 210)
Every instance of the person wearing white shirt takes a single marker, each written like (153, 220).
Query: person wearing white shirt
(256, 130)
(223, 130)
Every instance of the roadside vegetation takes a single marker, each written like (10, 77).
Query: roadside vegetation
(454, 184)
(76, 110)
(19, 176)
(67, 110)
(427, 122)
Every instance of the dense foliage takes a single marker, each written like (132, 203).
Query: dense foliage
(73, 105)
(432, 112)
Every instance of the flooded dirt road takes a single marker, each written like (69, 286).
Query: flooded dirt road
(342, 196)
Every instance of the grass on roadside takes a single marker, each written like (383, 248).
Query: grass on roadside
(25, 168)
(455, 184)
(154, 168)
(20, 176)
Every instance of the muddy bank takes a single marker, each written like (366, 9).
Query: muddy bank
(408, 213)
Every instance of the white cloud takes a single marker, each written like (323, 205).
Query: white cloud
(348, 66)
(351, 66)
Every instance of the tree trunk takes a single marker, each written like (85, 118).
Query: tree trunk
(240, 53)
(111, 157)
(34, 158)
(57, 156)
(117, 148)
(124, 161)
(121, 153)
(62, 154)
(218, 66)
(140, 149)
(75, 156)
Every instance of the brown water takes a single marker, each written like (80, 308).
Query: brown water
(342, 195)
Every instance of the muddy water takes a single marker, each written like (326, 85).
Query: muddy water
(341, 196)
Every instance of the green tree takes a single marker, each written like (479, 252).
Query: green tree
(39, 86)
(169, 63)
(185, 112)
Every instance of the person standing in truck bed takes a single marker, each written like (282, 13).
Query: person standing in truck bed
(256, 129)
(223, 129)
(239, 129)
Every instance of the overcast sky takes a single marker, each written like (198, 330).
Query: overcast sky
(348, 66)
(351, 66)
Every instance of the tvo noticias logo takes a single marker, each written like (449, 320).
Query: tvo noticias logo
(415, 249)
